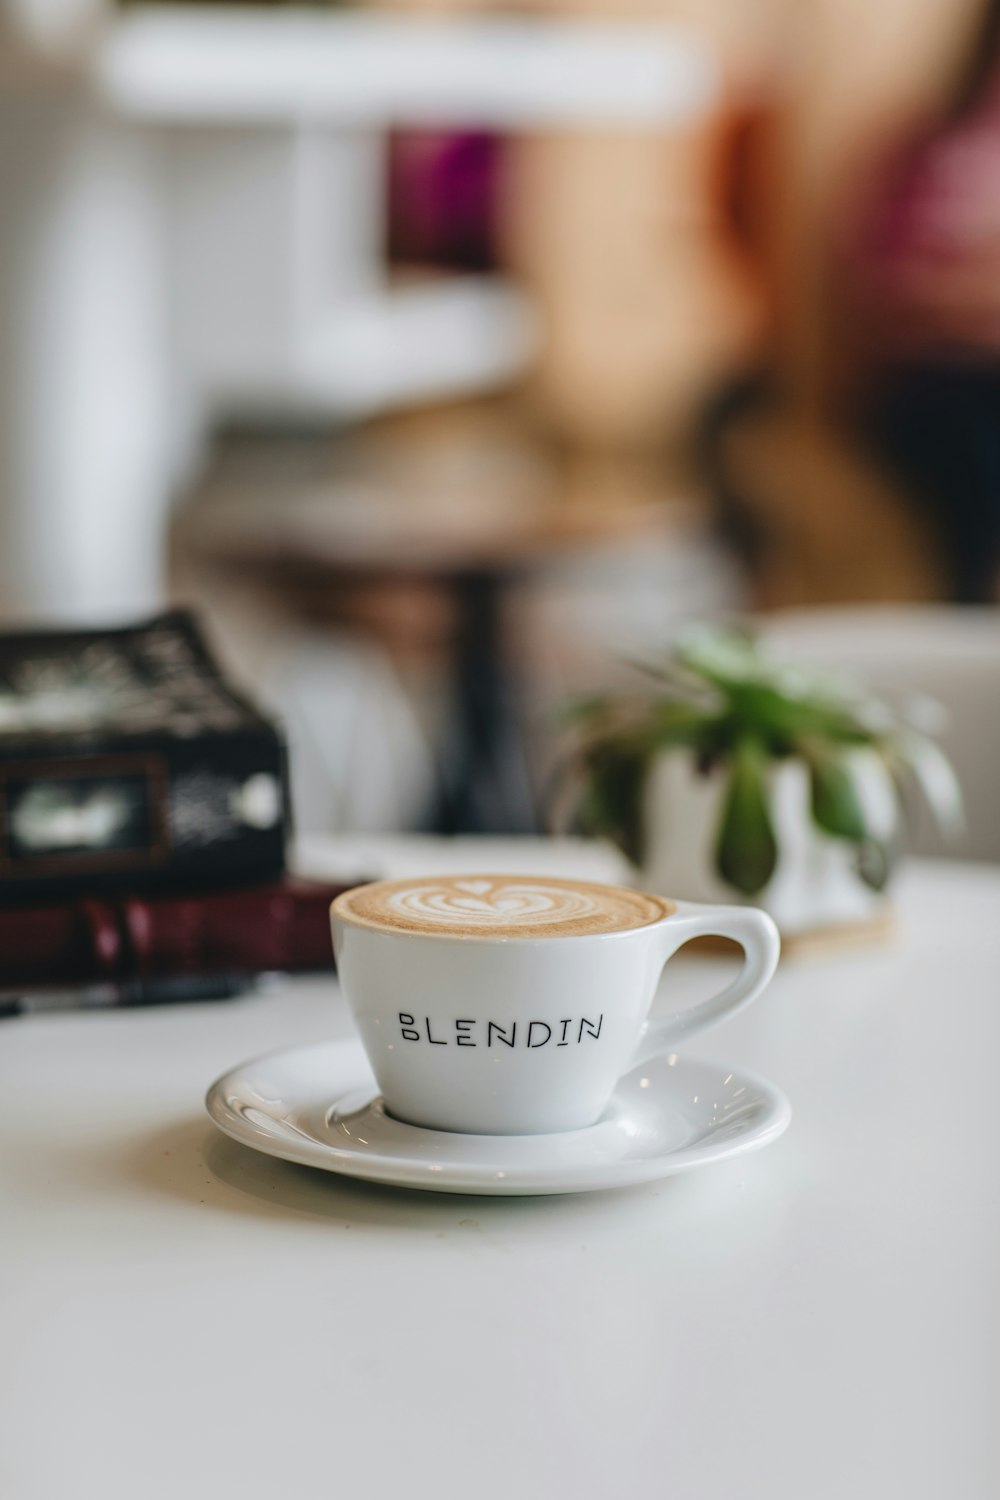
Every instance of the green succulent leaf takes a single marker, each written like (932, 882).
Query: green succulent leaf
(747, 852)
(675, 724)
(724, 657)
(874, 864)
(584, 712)
(613, 805)
(933, 773)
(836, 806)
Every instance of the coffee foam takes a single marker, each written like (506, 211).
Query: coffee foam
(499, 906)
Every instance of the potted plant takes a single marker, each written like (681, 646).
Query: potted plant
(734, 776)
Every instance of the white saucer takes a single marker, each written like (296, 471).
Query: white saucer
(318, 1105)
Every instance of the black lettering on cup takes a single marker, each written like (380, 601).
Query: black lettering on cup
(432, 1039)
(462, 1038)
(592, 1030)
(502, 1036)
(543, 1025)
(410, 1034)
(562, 1042)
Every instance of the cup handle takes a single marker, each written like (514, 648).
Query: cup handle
(757, 936)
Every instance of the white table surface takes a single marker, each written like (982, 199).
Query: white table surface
(184, 1318)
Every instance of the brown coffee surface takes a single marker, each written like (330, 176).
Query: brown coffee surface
(499, 906)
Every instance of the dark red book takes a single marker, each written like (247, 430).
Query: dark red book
(252, 930)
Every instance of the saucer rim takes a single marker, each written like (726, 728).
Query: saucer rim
(525, 1180)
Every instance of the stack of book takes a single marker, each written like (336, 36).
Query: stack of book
(144, 817)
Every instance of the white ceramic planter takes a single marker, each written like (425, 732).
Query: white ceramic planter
(815, 883)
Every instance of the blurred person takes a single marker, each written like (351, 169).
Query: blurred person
(798, 447)
(922, 284)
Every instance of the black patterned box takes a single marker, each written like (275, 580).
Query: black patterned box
(126, 759)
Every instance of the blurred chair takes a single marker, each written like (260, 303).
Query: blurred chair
(947, 653)
(824, 508)
(359, 760)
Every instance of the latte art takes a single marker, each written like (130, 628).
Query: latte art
(500, 906)
(492, 903)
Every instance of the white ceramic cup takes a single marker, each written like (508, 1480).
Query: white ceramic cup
(510, 1035)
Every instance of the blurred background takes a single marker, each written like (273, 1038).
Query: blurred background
(445, 356)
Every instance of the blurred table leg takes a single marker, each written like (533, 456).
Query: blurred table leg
(485, 787)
